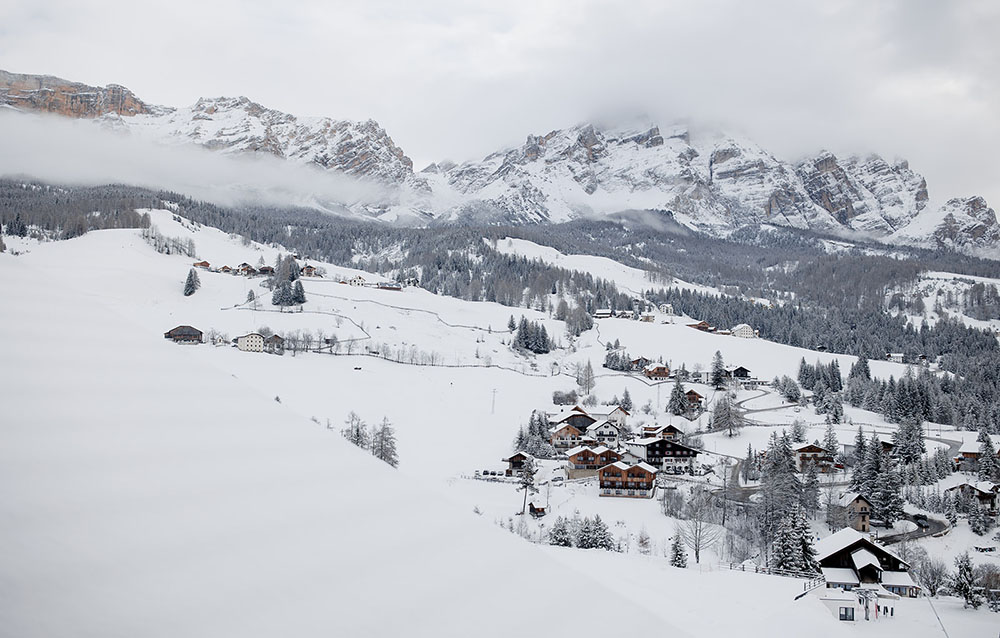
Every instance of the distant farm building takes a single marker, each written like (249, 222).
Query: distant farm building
(184, 334)
(252, 342)
(744, 331)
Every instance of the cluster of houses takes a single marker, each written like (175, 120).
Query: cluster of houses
(641, 310)
(244, 269)
(863, 578)
(743, 331)
(602, 446)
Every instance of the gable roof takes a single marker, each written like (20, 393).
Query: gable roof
(600, 449)
(826, 547)
(863, 558)
(972, 447)
(808, 447)
(850, 497)
(622, 465)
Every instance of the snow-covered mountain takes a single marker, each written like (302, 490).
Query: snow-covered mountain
(712, 181)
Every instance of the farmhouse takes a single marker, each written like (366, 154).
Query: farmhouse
(357, 280)
(630, 481)
(640, 363)
(307, 271)
(201, 264)
(895, 357)
(737, 372)
(618, 416)
(667, 432)
(265, 270)
(647, 317)
(984, 491)
(184, 334)
(656, 371)
(744, 331)
(606, 432)
(226, 269)
(603, 313)
(566, 436)
(854, 511)
(515, 462)
(694, 399)
(584, 461)
(968, 454)
(252, 342)
(812, 453)
(670, 456)
(849, 559)
(666, 309)
(701, 325)
(274, 345)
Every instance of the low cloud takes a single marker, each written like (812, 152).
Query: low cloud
(65, 151)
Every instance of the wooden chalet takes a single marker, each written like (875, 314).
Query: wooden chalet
(968, 454)
(737, 372)
(702, 326)
(668, 432)
(629, 481)
(515, 463)
(606, 432)
(603, 313)
(812, 453)
(849, 559)
(640, 363)
(566, 436)
(184, 334)
(307, 271)
(536, 509)
(583, 461)
(695, 400)
(202, 264)
(656, 371)
(226, 269)
(265, 270)
(670, 456)
(577, 417)
(274, 345)
(986, 492)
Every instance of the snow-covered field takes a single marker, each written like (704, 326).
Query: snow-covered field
(148, 488)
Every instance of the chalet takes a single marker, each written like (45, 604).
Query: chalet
(737, 372)
(246, 269)
(744, 331)
(812, 453)
(968, 454)
(252, 342)
(583, 461)
(895, 357)
(266, 270)
(625, 314)
(666, 309)
(985, 492)
(603, 313)
(307, 271)
(577, 417)
(630, 481)
(855, 511)
(694, 400)
(201, 264)
(667, 432)
(640, 363)
(274, 345)
(606, 433)
(670, 456)
(656, 371)
(515, 463)
(849, 559)
(536, 509)
(184, 334)
(226, 269)
(701, 325)
(357, 280)
(618, 416)
(647, 317)
(566, 436)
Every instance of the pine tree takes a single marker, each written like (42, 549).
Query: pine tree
(282, 295)
(511, 326)
(718, 374)
(678, 404)
(384, 443)
(950, 509)
(860, 369)
(786, 552)
(726, 416)
(527, 482)
(858, 460)
(810, 489)
(886, 495)
(830, 442)
(963, 582)
(192, 284)
(602, 538)
(678, 555)
(806, 549)
(298, 293)
(626, 402)
(798, 430)
(978, 522)
(989, 463)
(560, 534)
(251, 297)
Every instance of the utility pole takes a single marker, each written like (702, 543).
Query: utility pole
(493, 405)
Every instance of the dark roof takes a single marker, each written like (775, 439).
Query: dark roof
(184, 331)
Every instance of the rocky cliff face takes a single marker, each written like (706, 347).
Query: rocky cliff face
(964, 224)
(53, 95)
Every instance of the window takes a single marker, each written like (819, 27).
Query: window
(847, 613)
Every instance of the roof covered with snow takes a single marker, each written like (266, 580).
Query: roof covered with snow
(864, 558)
(826, 547)
(897, 579)
(840, 575)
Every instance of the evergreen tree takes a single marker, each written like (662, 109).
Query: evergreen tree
(810, 490)
(806, 549)
(282, 295)
(511, 326)
(908, 440)
(527, 482)
(950, 509)
(626, 402)
(678, 555)
(786, 552)
(860, 370)
(830, 442)
(726, 416)
(560, 534)
(978, 522)
(989, 463)
(798, 431)
(886, 495)
(602, 538)
(298, 293)
(192, 284)
(251, 297)
(718, 374)
(384, 443)
(678, 404)
(963, 582)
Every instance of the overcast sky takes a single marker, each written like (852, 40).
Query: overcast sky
(915, 78)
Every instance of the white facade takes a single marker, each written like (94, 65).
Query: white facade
(252, 342)
(744, 331)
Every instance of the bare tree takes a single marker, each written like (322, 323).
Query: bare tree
(699, 531)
